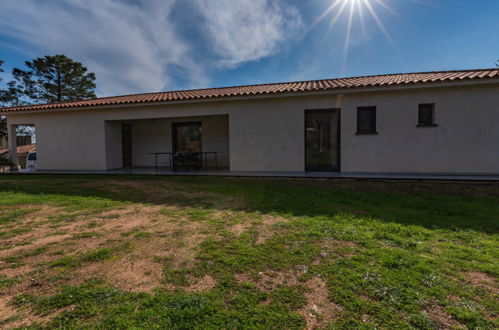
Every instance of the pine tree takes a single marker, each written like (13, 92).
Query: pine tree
(3, 99)
(53, 79)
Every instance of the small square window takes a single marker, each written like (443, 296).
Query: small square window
(366, 120)
(426, 115)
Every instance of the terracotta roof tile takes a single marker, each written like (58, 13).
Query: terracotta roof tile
(21, 149)
(274, 88)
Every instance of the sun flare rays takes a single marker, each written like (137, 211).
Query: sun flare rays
(357, 11)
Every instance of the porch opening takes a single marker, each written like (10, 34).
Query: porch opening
(18, 148)
(167, 144)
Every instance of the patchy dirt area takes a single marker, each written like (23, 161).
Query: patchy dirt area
(206, 283)
(343, 248)
(239, 228)
(263, 226)
(19, 320)
(482, 280)
(133, 240)
(319, 309)
(267, 228)
(438, 315)
(185, 239)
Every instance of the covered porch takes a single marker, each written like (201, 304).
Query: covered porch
(168, 144)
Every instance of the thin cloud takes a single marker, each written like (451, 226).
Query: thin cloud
(131, 47)
(138, 46)
(242, 31)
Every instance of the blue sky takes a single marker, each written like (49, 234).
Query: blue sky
(138, 46)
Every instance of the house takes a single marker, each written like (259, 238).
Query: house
(443, 122)
(21, 154)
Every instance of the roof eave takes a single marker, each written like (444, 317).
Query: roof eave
(345, 90)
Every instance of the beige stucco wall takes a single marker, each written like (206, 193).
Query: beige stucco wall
(113, 145)
(67, 142)
(267, 134)
(466, 139)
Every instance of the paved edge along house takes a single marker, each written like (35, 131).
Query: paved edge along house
(437, 123)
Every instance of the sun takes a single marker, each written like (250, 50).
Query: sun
(356, 9)
(340, 7)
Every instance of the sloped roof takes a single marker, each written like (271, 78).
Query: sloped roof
(21, 149)
(275, 88)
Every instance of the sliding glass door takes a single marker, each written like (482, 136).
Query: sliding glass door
(126, 145)
(322, 140)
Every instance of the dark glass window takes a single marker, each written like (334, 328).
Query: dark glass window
(426, 115)
(366, 120)
(322, 140)
(187, 137)
(32, 156)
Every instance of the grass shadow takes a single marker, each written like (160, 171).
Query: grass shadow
(457, 207)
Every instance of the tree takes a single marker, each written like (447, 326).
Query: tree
(3, 98)
(48, 79)
(4, 160)
(9, 96)
(3, 127)
(53, 79)
(2, 91)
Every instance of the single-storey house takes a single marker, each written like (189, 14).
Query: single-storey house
(443, 122)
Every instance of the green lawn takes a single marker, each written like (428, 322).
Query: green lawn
(199, 252)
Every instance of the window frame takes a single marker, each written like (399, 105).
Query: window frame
(432, 121)
(372, 131)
